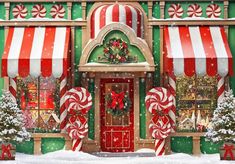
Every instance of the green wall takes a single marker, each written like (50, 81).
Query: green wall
(142, 93)
(76, 11)
(2, 40)
(91, 114)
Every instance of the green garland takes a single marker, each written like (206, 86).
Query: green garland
(115, 110)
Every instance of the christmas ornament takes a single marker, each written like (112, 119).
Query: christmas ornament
(57, 11)
(78, 100)
(194, 10)
(175, 11)
(38, 11)
(19, 11)
(157, 100)
(77, 129)
(213, 11)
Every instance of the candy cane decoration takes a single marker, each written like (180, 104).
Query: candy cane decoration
(38, 11)
(213, 11)
(175, 11)
(63, 111)
(220, 89)
(172, 89)
(160, 128)
(77, 129)
(157, 100)
(57, 11)
(194, 10)
(13, 88)
(19, 11)
(78, 100)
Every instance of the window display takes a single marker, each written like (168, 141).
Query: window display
(195, 100)
(39, 100)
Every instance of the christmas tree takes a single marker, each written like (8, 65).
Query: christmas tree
(223, 121)
(11, 120)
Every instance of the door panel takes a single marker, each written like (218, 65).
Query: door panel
(117, 133)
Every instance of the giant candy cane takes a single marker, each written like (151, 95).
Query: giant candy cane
(220, 88)
(13, 88)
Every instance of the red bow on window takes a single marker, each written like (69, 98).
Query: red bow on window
(6, 149)
(117, 100)
(228, 151)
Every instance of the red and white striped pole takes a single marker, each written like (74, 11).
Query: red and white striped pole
(172, 89)
(220, 88)
(13, 88)
(63, 110)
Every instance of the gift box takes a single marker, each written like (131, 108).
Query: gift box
(227, 152)
(7, 152)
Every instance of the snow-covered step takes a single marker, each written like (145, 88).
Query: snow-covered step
(124, 154)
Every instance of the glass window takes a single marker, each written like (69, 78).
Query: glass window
(39, 100)
(195, 100)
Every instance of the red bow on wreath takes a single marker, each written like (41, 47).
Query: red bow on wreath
(6, 150)
(228, 151)
(117, 100)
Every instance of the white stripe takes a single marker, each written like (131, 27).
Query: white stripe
(14, 52)
(58, 52)
(198, 49)
(134, 19)
(36, 52)
(177, 53)
(221, 54)
(122, 14)
(109, 15)
(97, 20)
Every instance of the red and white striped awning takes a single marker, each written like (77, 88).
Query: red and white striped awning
(36, 51)
(126, 14)
(197, 50)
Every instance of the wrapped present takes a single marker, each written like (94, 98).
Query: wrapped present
(7, 152)
(227, 152)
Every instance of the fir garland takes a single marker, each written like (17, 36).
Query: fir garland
(118, 103)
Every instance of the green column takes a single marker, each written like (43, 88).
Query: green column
(142, 93)
(156, 55)
(78, 53)
(91, 113)
(2, 40)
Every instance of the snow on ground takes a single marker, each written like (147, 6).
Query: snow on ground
(69, 157)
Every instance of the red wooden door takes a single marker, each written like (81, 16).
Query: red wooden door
(117, 131)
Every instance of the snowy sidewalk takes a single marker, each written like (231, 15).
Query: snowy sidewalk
(69, 157)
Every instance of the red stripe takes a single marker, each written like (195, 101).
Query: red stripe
(103, 16)
(189, 57)
(6, 51)
(138, 23)
(128, 16)
(26, 51)
(211, 60)
(66, 51)
(230, 58)
(46, 62)
(93, 23)
(168, 61)
(115, 13)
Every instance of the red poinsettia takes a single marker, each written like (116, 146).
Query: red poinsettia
(124, 45)
(116, 43)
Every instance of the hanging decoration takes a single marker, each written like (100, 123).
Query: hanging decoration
(194, 10)
(38, 11)
(115, 52)
(160, 103)
(19, 11)
(175, 11)
(78, 102)
(118, 103)
(213, 11)
(57, 11)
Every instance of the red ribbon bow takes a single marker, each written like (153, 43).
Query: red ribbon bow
(117, 100)
(228, 151)
(6, 149)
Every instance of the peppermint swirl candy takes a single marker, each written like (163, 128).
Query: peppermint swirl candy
(78, 100)
(157, 100)
(38, 11)
(213, 11)
(57, 11)
(194, 10)
(19, 11)
(160, 127)
(77, 127)
(175, 11)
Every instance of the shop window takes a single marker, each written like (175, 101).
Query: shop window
(195, 100)
(38, 98)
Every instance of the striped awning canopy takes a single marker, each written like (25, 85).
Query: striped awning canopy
(36, 51)
(126, 14)
(200, 50)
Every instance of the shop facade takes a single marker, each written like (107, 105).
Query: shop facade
(117, 48)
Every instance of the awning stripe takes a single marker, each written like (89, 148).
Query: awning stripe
(197, 50)
(36, 51)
